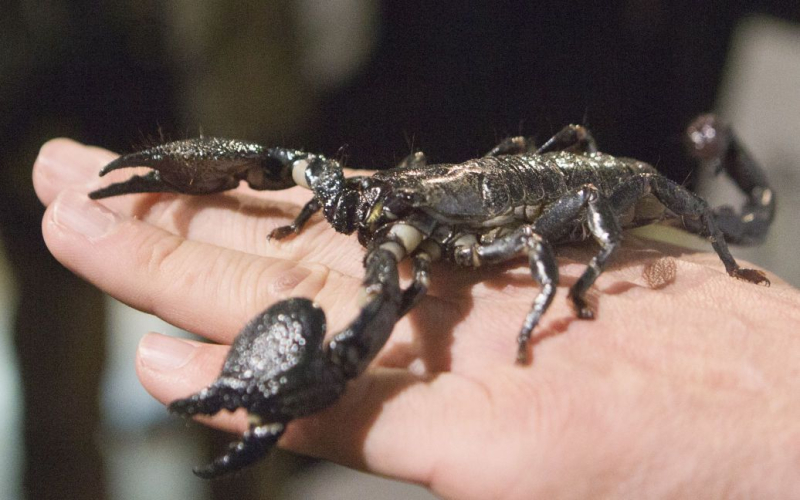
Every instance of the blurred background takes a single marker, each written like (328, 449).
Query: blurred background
(366, 79)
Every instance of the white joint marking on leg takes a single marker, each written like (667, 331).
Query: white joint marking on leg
(425, 280)
(396, 248)
(469, 242)
(409, 236)
(299, 173)
(466, 240)
(431, 248)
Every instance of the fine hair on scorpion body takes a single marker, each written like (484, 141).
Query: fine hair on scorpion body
(519, 200)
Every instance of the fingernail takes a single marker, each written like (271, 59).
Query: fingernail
(76, 212)
(64, 162)
(161, 352)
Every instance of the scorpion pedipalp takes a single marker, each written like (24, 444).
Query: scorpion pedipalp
(204, 165)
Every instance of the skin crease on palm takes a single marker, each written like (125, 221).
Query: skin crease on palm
(681, 387)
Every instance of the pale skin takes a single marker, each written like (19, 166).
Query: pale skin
(684, 387)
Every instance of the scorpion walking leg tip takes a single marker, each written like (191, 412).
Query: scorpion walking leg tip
(583, 310)
(752, 275)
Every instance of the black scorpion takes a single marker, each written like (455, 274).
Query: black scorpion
(518, 200)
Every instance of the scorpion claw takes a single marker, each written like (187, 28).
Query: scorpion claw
(277, 370)
(206, 402)
(138, 159)
(196, 166)
(148, 183)
(255, 444)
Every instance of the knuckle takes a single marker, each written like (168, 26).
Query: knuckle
(157, 255)
(285, 279)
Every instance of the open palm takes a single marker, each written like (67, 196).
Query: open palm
(675, 388)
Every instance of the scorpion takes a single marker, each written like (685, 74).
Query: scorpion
(519, 200)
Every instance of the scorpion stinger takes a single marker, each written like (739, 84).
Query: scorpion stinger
(714, 144)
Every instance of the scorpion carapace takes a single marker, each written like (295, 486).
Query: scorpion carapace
(518, 200)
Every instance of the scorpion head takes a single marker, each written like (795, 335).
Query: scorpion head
(277, 370)
(379, 203)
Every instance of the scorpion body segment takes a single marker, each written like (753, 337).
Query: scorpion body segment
(518, 200)
(493, 192)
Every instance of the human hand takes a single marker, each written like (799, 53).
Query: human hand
(690, 389)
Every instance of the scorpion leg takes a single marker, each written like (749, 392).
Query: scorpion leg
(513, 146)
(573, 139)
(543, 267)
(419, 282)
(296, 226)
(684, 203)
(715, 145)
(602, 223)
(414, 160)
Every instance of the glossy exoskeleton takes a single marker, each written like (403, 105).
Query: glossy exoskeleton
(518, 200)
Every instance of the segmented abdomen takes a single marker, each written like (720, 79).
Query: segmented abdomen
(492, 190)
(559, 173)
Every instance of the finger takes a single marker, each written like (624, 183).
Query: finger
(209, 290)
(170, 368)
(203, 288)
(63, 164)
(384, 423)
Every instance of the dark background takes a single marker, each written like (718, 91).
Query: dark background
(450, 77)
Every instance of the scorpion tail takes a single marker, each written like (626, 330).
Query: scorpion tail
(714, 144)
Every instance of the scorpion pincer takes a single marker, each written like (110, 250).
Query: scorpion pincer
(517, 200)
